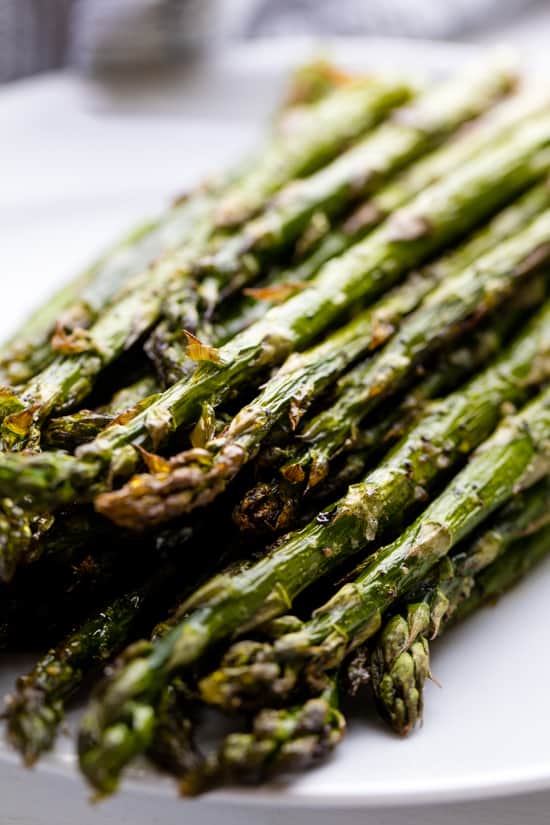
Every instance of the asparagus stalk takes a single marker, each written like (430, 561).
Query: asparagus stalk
(437, 216)
(505, 572)
(29, 350)
(277, 504)
(409, 133)
(173, 746)
(398, 663)
(513, 459)
(35, 711)
(70, 377)
(470, 141)
(195, 478)
(464, 295)
(307, 141)
(167, 347)
(449, 430)
(70, 431)
(358, 171)
(279, 741)
(235, 601)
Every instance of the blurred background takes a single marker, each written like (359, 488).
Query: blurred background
(102, 35)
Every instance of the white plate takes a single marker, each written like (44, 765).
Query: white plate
(81, 162)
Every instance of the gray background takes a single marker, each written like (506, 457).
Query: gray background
(102, 35)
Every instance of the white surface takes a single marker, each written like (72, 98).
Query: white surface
(81, 162)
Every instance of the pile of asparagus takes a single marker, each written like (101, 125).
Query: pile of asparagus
(276, 441)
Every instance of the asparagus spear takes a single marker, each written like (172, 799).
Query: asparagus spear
(195, 478)
(505, 572)
(480, 135)
(29, 350)
(70, 431)
(70, 377)
(36, 710)
(315, 135)
(466, 294)
(439, 215)
(409, 133)
(233, 602)
(173, 746)
(513, 459)
(167, 347)
(279, 741)
(450, 429)
(277, 504)
(398, 663)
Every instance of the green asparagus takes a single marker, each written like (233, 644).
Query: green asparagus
(479, 136)
(69, 431)
(445, 312)
(513, 459)
(235, 602)
(437, 216)
(279, 741)
(70, 377)
(410, 132)
(315, 135)
(35, 711)
(450, 429)
(275, 505)
(398, 663)
(366, 304)
(194, 478)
